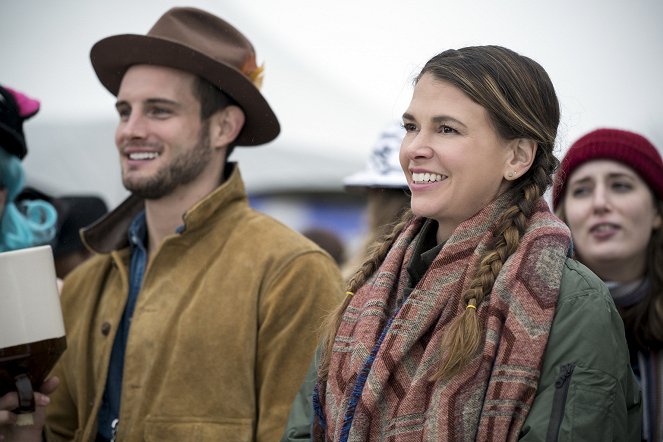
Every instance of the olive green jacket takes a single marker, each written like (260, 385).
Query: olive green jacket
(587, 390)
(223, 330)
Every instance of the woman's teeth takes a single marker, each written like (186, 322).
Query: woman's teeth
(426, 177)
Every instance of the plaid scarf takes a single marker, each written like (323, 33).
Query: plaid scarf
(387, 347)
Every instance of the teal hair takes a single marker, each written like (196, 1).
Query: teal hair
(27, 223)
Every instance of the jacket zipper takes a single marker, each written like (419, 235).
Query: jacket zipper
(559, 401)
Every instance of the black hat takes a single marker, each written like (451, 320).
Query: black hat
(15, 108)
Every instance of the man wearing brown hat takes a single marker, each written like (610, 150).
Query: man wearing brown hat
(198, 316)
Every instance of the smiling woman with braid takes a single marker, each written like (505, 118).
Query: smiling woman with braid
(470, 321)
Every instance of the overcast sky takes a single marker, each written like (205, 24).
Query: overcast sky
(337, 72)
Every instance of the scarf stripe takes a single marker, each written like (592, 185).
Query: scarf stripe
(359, 386)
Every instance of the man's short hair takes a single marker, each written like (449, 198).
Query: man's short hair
(211, 99)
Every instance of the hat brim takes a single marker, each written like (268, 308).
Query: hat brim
(112, 56)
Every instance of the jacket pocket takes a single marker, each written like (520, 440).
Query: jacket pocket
(583, 406)
(167, 428)
(562, 384)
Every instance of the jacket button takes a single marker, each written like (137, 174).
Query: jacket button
(105, 328)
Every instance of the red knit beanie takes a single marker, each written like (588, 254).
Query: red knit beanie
(628, 148)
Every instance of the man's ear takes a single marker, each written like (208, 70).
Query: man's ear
(522, 152)
(225, 126)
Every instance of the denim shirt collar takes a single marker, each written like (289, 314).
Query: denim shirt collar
(138, 231)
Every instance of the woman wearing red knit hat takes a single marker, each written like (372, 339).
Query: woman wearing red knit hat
(609, 190)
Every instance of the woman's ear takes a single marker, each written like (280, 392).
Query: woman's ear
(225, 126)
(522, 152)
(658, 219)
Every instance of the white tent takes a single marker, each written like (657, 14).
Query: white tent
(336, 73)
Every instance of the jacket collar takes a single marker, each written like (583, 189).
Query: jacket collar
(110, 232)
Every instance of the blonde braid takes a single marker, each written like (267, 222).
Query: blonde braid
(462, 340)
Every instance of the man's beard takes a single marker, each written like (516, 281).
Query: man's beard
(183, 169)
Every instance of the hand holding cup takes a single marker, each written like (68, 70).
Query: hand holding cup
(10, 430)
(32, 335)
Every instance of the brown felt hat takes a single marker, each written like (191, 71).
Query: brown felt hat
(198, 42)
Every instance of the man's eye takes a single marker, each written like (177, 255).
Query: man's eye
(159, 111)
(123, 114)
(447, 129)
(409, 127)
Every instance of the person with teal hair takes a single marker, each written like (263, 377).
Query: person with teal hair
(26, 223)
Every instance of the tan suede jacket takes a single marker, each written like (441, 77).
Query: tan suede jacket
(224, 328)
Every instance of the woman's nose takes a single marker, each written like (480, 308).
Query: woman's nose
(416, 145)
(600, 200)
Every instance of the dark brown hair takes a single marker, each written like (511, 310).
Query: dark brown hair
(644, 321)
(212, 99)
